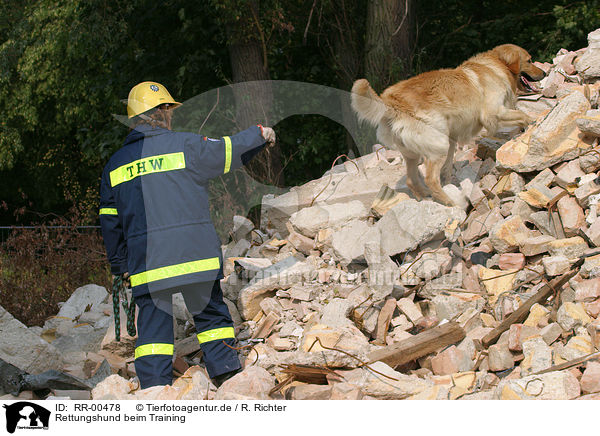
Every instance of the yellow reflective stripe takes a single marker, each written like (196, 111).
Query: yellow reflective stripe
(108, 211)
(212, 335)
(149, 165)
(175, 270)
(149, 349)
(227, 154)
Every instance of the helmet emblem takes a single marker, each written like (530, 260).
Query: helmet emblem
(154, 88)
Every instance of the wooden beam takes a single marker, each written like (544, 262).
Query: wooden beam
(419, 345)
(383, 321)
(521, 313)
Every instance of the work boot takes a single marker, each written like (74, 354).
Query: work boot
(220, 379)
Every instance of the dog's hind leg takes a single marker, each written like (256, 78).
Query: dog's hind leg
(413, 178)
(433, 167)
(446, 173)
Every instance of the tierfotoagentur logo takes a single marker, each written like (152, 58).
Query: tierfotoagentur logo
(24, 415)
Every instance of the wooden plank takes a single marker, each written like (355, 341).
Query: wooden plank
(420, 345)
(383, 321)
(521, 313)
(266, 326)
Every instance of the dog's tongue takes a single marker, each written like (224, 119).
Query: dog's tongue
(528, 85)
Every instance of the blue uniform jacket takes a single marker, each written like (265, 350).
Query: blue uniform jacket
(154, 205)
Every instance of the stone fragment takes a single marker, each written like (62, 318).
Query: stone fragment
(588, 65)
(500, 357)
(585, 191)
(519, 333)
(569, 173)
(590, 380)
(383, 272)
(310, 220)
(337, 189)
(347, 338)
(509, 185)
(345, 391)
(576, 347)
(450, 361)
(83, 298)
(335, 313)
(157, 393)
(309, 392)
(571, 315)
(450, 306)
(496, 282)
(479, 223)
(280, 275)
(521, 209)
(300, 242)
(571, 248)
(538, 316)
(571, 215)
(412, 223)
(557, 385)
(348, 243)
(508, 234)
(593, 232)
(113, 387)
(123, 348)
(456, 195)
(253, 382)
(543, 222)
(552, 140)
(587, 290)
(591, 267)
(398, 387)
(242, 227)
(24, 349)
(194, 384)
(537, 196)
(551, 333)
(543, 178)
(535, 245)
(556, 265)
(511, 261)
(538, 356)
(432, 265)
(590, 125)
(410, 309)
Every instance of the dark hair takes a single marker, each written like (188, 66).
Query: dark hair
(160, 116)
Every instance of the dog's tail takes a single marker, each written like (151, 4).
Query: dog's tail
(366, 103)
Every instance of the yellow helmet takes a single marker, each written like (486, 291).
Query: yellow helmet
(147, 95)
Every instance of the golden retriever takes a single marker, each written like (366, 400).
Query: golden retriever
(427, 115)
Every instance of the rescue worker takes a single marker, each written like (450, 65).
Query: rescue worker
(158, 233)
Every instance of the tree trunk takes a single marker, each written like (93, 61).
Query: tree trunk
(254, 101)
(389, 41)
(347, 47)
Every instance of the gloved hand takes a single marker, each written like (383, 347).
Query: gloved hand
(269, 135)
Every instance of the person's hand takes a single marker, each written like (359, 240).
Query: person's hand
(269, 135)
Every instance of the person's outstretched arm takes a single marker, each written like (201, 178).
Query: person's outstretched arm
(214, 157)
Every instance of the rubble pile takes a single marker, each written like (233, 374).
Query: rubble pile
(351, 289)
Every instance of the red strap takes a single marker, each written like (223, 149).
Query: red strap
(261, 130)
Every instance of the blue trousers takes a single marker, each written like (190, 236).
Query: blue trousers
(154, 346)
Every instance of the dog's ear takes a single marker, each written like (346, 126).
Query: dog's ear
(509, 56)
